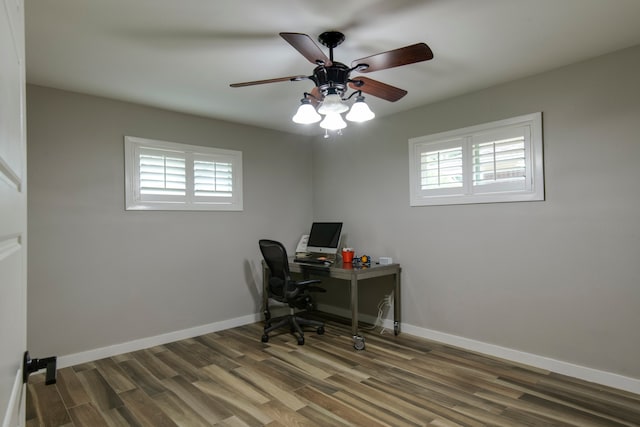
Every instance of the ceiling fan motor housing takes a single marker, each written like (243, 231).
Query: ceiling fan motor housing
(335, 76)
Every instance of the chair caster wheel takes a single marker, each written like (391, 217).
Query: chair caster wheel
(301, 341)
(265, 338)
(320, 330)
(358, 342)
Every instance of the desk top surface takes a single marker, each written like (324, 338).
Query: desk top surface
(340, 269)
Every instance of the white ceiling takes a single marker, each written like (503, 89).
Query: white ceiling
(183, 54)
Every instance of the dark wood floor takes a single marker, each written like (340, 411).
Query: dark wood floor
(230, 378)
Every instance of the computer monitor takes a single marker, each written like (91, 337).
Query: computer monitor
(324, 237)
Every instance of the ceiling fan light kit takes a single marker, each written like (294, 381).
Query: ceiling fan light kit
(332, 80)
(306, 114)
(333, 121)
(332, 103)
(360, 111)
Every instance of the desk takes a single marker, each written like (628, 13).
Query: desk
(353, 275)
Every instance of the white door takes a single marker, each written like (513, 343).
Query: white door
(13, 213)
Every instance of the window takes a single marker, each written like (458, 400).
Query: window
(493, 162)
(169, 176)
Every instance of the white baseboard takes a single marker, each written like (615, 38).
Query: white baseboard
(588, 374)
(15, 407)
(113, 350)
(581, 372)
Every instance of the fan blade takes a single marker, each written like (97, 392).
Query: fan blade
(394, 58)
(376, 88)
(279, 79)
(316, 97)
(303, 44)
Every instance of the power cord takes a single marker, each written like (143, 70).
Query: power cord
(387, 301)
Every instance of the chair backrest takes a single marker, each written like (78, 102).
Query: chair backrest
(275, 255)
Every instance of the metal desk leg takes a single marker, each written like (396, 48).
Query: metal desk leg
(358, 341)
(396, 305)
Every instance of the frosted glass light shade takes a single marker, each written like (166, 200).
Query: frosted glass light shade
(332, 104)
(360, 111)
(333, 121)
(306, 114)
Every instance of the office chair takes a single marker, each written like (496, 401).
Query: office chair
(282, 289)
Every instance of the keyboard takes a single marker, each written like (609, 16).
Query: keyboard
(310, 260)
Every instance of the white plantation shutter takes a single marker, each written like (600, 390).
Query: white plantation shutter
(494, 162)
(499, 161)
(441, 169)
(213, 178)
(162, 173)
(169, 176)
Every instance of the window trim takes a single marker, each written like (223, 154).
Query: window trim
(189, 202)
(534, 178)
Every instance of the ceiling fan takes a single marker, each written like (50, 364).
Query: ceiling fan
(332, 78)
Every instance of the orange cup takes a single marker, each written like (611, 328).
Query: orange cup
(347, 254)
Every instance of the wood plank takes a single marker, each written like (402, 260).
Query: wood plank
(387, 415)
(264, 383)
(285, 416)
(114, 375)
(145, 410)
(99, 390)
(142, 377)
(48, 405)
(181, 413)
(120, 417)
(184, 369)
(233, 422)
(148, 358)
(299, 361)
(217, 344)
(235, 384)
(322, 416)
(402, 402)
(565, 413)
(240, 406)
(596, 409)
(185, 352)
(338, 408)
(70, 388)
(209, 408)
(87, 415)
(299, 375)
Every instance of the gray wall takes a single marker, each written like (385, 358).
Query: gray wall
(559, 278)
(100, 275)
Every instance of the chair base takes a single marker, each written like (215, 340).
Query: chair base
(295, 324)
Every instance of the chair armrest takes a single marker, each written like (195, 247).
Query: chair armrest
(303, 283)
(306, 285)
